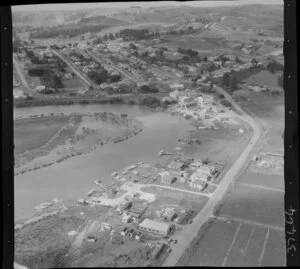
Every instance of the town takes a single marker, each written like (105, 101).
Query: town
(150, 133)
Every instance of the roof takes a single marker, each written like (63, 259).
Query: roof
(205, 168)
(153, 224)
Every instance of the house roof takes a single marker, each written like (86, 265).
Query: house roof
(153, 224)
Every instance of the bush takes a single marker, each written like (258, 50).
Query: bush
(131, 102)
(150, 101)
(226, 103)
(116, 100)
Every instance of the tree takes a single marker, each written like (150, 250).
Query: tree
(132, 46)
(233, 82)
(225, 79)
(280, 81)
(181, 32)
(110, 36)
(104, 38)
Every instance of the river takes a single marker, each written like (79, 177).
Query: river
(74, 177)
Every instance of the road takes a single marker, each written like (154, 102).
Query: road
(83, 78)
(186, 236)
(26, 89)
(178, 189)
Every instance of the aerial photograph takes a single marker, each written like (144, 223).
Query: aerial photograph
(149, 134)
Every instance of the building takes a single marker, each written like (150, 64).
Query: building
(207, 169)
(199, 175)
(199, 184)
(177, 86)
(176, 165)
(155, 227)
(167, 178)
(126, 218)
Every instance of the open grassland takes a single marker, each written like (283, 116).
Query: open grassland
(232, 243)
(264, 78)
(257, 204)
(35, 132)
(264, 180)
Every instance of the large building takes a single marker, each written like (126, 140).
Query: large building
(154, 226)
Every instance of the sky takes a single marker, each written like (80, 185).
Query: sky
(78, 6)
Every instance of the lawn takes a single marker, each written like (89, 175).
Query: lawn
(33, 133)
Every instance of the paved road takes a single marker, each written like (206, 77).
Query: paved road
(186, 237)
(26, 89)
(83, 78)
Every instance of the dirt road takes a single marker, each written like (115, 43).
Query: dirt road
(26, 89)
(186, 237)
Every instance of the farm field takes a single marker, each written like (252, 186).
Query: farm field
(35, 132)
(256, 204)
(235, 244)
(263, 180)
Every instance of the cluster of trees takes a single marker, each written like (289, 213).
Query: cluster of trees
(48, 78)
(148, 89)
(274, 66)
(34, 59)
(98, 77)
(230, 80)
(53, 32)
(280, 81)
(51, 80)
(136, 33)
(189, 52)
(150, 101)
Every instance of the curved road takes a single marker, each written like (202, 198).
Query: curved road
(187, 235)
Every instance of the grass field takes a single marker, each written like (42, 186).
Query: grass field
(35, 132)
(257, 204)
(263, 180)
(264, 78)
(232, 243)
(72, 83)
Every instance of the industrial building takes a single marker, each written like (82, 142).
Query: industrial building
(154, 226)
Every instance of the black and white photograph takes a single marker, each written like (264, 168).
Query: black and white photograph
(149, 134)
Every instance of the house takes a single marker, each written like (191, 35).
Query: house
(177, 165)
(177, 86)
(199, 184)
(169, 214)
(126, 218)
(156, 227)
(207, 169)
(125, 204)
(199, 175)
(136, 212)
(167, 178)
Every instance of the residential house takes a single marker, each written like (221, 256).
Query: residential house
(177, 165)
(155, 227)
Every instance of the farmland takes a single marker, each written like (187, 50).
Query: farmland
(235, 244)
